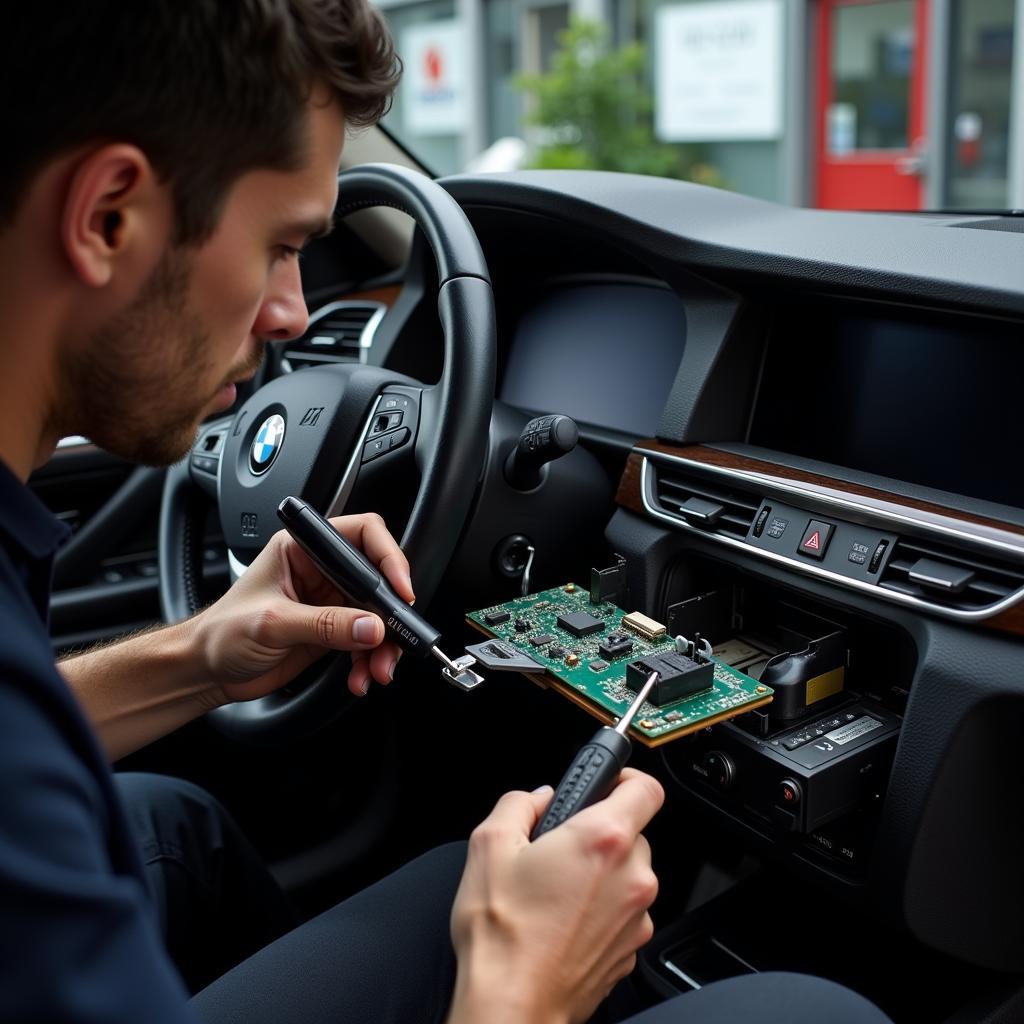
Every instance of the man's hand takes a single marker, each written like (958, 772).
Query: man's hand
(544, 930)
(283, 614)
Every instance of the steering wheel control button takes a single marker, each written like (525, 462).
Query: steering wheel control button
(859, 553)
(762, 519)
(267, 444)
(385, 422)
(375, 448)
(777, 527)
(205, 463)
(878, 556)
(398, 438)
(814, 542)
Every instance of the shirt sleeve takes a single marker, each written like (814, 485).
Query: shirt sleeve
(78, 941)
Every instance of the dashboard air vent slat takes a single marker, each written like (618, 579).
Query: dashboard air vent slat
(338, 332)
(673, 489)
(983, 581)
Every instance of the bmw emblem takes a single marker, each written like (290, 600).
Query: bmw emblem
(269, 439)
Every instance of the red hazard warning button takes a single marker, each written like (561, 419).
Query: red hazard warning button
(815, 539)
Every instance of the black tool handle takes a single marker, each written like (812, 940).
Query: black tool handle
(591, 777)
(350, 572)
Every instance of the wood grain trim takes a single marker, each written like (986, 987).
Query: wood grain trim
(628, 494)
(388, 294)
(871, 498)
(1010, 621)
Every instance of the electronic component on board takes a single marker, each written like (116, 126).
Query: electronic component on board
(643, 625)
(679, 676)
(608, 584)
(615, 645)
(580, 624)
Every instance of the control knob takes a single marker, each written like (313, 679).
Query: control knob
(719, 769)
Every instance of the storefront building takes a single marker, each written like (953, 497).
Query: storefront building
(869, 104)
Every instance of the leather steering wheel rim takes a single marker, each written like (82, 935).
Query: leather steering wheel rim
(452, 456)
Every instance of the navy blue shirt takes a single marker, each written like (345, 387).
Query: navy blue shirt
(79, 938)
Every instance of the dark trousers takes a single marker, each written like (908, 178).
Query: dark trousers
(382, 956)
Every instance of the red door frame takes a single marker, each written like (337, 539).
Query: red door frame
(868, 179)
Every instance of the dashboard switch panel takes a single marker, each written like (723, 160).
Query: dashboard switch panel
(846, 549)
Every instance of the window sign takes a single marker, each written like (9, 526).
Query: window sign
(719, 71)
(434, 100)
(841, 125)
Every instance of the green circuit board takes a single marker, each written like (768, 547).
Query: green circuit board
(582, 673)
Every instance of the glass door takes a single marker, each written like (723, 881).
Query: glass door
(871, 118)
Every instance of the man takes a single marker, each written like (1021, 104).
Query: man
(166, 162)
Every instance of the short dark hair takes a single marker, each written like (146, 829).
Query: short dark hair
(208, 89)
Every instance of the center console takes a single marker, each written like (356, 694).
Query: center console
(809, 770)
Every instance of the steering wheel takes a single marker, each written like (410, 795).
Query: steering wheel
(322, 432)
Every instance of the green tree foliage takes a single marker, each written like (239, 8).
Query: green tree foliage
(595, 111)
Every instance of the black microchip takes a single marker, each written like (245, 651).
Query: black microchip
(497, 618)
(615, 649)
(598, 666)
(522, 625)
(556, 652)
(540, 641)
(580, 624)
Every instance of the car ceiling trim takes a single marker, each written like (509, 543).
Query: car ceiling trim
(959, 614)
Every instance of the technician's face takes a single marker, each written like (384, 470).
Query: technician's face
(201, 321)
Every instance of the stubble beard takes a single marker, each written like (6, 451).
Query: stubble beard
(137, 388)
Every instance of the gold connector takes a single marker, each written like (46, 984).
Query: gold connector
(644, 625)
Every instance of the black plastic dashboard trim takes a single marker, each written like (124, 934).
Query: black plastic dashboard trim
(895, 256)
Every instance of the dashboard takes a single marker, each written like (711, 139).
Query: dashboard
(620, 344)
(816, 421)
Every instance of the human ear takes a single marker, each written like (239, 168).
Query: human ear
(107, 203)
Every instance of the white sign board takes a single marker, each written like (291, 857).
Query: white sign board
(433, 91)
(719, 71)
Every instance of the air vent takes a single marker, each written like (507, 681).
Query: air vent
(703, 504)
(949, 577)
(339, 332)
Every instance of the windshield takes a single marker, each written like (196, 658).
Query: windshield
(845, 104)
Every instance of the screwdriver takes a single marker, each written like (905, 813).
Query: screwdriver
(595, 769)
(347, 568)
